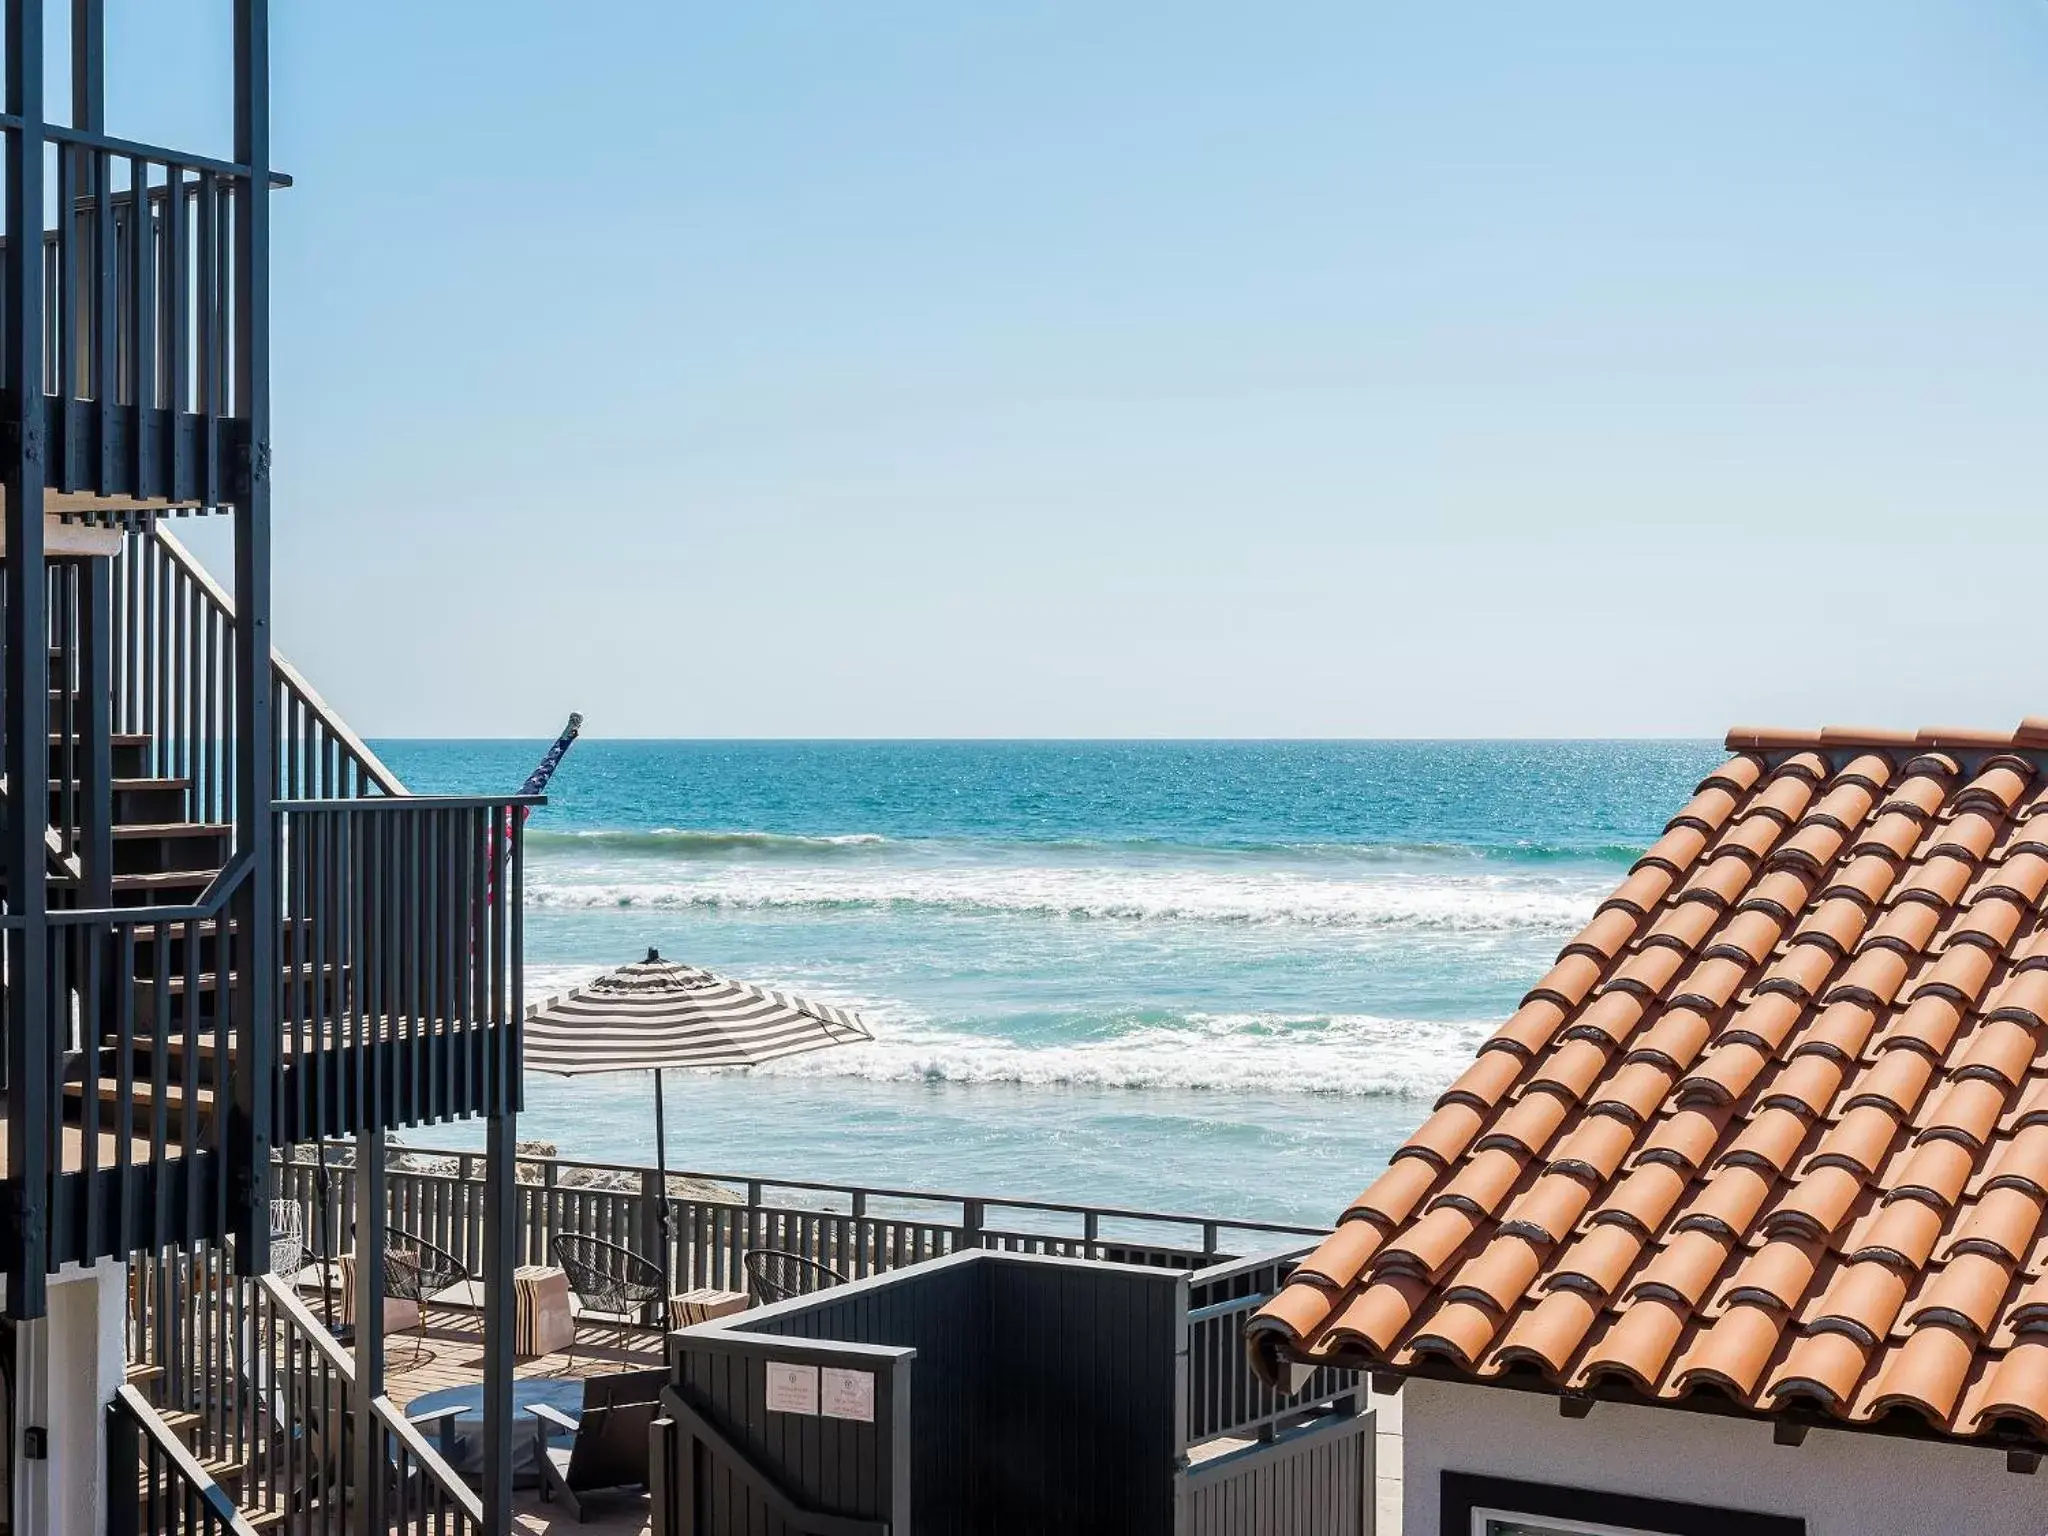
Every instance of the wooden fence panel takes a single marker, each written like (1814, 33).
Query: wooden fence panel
(1312, 1481)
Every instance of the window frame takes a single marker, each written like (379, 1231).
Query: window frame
(1595, 1512)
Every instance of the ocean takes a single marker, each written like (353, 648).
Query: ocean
(1217, 977)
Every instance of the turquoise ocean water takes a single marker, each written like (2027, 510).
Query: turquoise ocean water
(1216, 977)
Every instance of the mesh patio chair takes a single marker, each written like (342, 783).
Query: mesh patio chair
(608, 1277)
(414, 1270)
(773, 1275)
(287, 1238)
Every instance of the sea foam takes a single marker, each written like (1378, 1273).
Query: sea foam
(1348, 1055)
(1454, 903)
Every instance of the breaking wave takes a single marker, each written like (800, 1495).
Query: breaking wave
(687, 843)
(1344, 1055)
(1470, 904)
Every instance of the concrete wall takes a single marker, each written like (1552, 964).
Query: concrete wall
(1840, 1483)
(68, 1365)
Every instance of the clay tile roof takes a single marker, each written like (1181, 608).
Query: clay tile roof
(1774, 1127)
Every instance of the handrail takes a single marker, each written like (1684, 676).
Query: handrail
(322, 1343)
(62, 864)
(936, 1196)
(801, 1517)
(294, 681)
(408, 802)
(316, 1337)
(209, 904)
(211, 900)
(415, 1444)
(62, 133)
(131, 1406)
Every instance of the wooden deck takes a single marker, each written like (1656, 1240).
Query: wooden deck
(450, 1353)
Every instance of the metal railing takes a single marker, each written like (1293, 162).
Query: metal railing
(399, 992)
(437, 1194)
(141, 283)
(426, 1497)
(139, 1002)
(155, 1484)
(173, 680)
(72, 806)
(1225, 1396)
(252, 1385)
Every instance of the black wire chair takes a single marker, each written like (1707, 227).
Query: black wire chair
(773, 1275)
(608, 1277)
(415, 1270)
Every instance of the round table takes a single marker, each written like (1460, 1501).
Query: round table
(466, 1455)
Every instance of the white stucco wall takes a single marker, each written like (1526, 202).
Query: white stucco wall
(1840, 1483)
(68, 1366)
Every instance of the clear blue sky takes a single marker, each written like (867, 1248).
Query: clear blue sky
(1219, 369)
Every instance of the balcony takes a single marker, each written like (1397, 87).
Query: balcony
(201, 995)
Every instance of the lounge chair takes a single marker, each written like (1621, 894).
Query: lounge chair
(607, 1447)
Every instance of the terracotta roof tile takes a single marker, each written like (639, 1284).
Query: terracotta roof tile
(1482, 1185)
(1486, 1082)
(1639, 1346)
(1595, 1148)
(1341, 1257)
(1459, 1328)
(1444, 1134)
(1529, 1029)
(2018, 1388)
(1500, 1276)
(1396, 1193)
(1550, 1208)
(1733, 1353)
(1775, 1124)
(1612, 1017)
(1926, 1376)
(1818, 1204)
(1549, 1333)
(1567, 982)
(1598, 1261)
(1604, 937)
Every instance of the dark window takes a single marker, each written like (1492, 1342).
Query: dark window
(1513, 1508)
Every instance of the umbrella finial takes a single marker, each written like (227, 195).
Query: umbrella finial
(653, 955)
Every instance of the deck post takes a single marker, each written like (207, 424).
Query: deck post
(368, 1472)
(89, 68)
(27, 679)
(500, 1215)
(255, 734)
(96, 677)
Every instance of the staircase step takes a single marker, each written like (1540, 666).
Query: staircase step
(152, 781)
(305, 974)
(140, 1371)
(181, 1422)
(145, 1094)
(141, 829)
(166, 880)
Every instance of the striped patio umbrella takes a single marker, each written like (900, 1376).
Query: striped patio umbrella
(660, 1014)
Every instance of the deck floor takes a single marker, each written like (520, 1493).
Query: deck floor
(449, 1352)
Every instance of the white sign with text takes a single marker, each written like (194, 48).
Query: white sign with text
(792, 1388)
(847, 1394)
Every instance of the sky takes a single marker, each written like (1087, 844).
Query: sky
(800, 368)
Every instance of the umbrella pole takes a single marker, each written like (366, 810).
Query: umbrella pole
(661, 1185)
